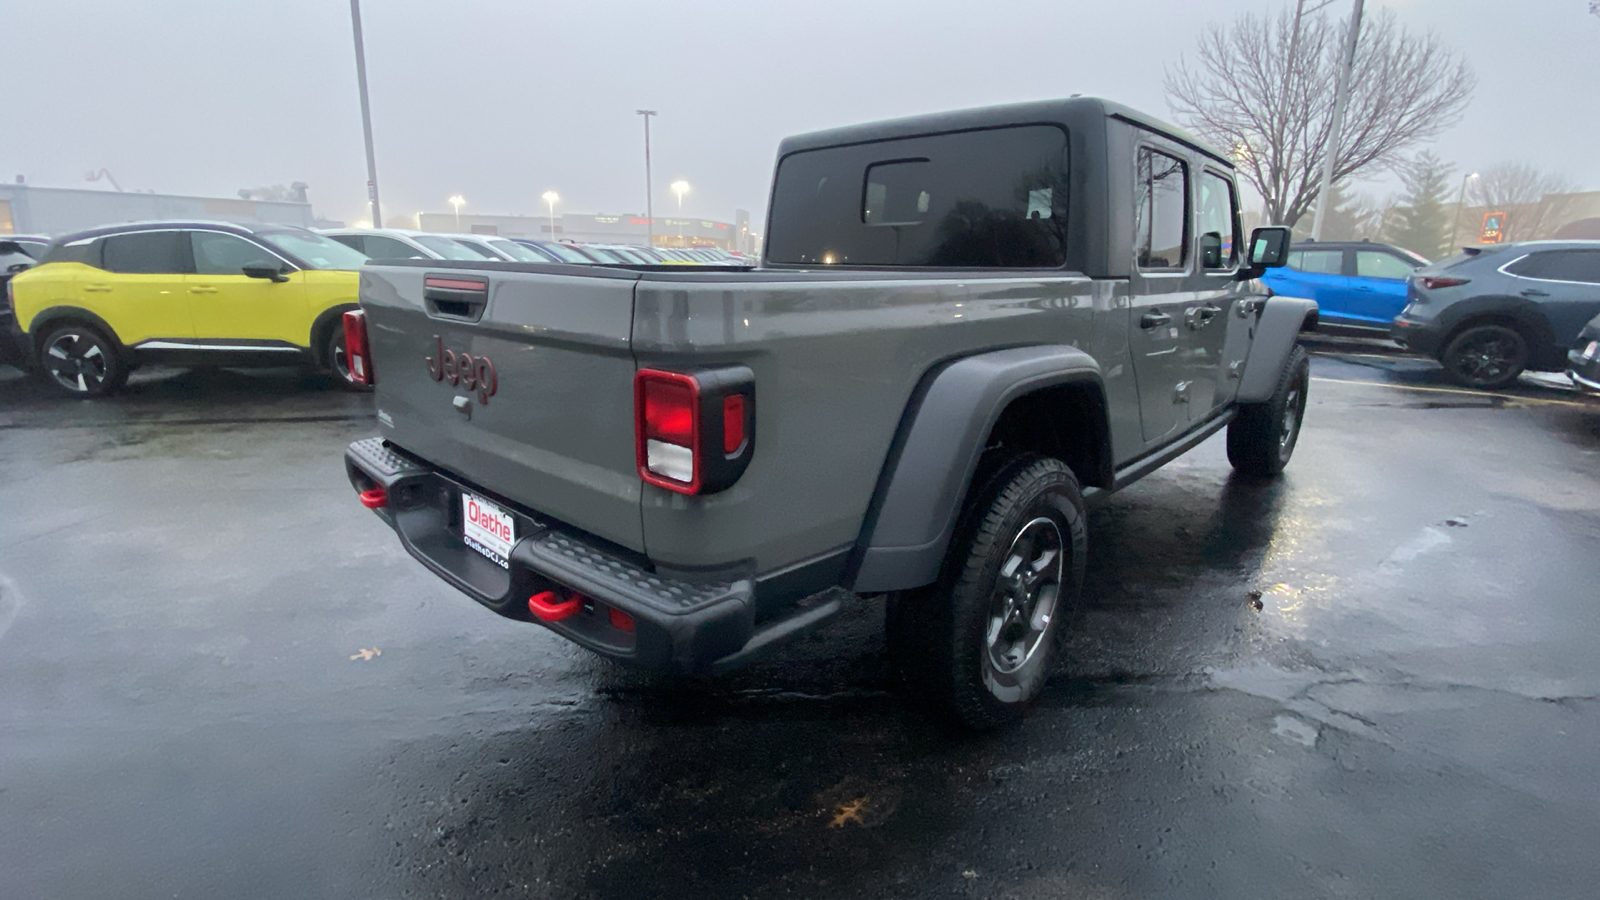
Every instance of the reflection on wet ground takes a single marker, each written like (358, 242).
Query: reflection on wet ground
(1374, 677)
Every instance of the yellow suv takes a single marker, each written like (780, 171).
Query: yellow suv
(104, 301)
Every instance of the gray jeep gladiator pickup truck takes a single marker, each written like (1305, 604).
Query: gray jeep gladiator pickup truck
(964, 327)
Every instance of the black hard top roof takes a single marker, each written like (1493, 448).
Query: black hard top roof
(1064, 111)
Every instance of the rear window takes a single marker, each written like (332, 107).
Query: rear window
(1317, 262)
(1560, 265)
(995, 198)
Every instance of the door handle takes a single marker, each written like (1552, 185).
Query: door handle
(1208, 311)
(202, 289)
(1155, 318)
(1535, 292)
(97, 288)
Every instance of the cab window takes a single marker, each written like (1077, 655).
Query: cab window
(226, 254)
(145, 252)
(1218, 220)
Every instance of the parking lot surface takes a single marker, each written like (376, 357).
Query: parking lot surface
(1377, 677)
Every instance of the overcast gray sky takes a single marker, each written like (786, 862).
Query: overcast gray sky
(501, 100)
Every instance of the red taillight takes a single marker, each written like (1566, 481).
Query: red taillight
(668, 430)
(358, 358)
(694, 432)
(1434, 282)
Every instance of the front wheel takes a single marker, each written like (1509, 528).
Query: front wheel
(1261, 439)
(982, 641)
(81, 362)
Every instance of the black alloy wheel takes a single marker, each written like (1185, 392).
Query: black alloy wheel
(81, 362)
(1487, 357)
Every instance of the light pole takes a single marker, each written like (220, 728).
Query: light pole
(366, 114)
(680, 187)
(1461, 198)
(649, 205)
(456, 200)
(1340, 100)
(550, 198)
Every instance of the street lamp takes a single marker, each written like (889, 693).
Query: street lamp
(1455, 223)
(550, 198)
(456, 200)
(680, 187)
(366, 114)
(649, 202)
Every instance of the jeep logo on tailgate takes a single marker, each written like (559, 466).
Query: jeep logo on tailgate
(463, 369)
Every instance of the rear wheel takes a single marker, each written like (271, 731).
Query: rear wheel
(982, 641)
(81, 361)
(1487, 357)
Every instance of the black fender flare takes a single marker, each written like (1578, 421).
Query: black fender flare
(1277, 331)
(313, 341)
(48, 316)
(942, 434)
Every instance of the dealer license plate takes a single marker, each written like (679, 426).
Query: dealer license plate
(487, 528)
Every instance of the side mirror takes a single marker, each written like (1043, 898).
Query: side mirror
(1269, 249)
(268, 271)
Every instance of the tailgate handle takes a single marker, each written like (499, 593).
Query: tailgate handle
(455, 296)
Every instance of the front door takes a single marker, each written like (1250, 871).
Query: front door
(228, 305)
(139, 291)
(1219, 338)
(1158, 335)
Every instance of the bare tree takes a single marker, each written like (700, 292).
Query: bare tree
(1536, 203)
(1243, 92)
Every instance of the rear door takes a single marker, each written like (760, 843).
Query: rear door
(552, 427)
(139, 288)
(228, 305)
(1318, 274)
(1158, 336)
(1379, 292)
(1566, 286)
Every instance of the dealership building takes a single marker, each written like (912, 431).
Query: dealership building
(26, 209)
(634, 229)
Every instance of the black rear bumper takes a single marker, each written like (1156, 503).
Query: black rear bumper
(677, 625)
(14, 347)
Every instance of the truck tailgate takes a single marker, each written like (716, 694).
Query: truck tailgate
(556, 433)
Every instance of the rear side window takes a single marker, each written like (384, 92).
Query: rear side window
(1560, 265)
(1377, 264)
(995, 198)
(379, 247)
(1162, 211)
(1317, 262)
(146, 252)
(84, 251)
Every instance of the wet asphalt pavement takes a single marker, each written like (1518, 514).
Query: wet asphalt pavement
(220, 677)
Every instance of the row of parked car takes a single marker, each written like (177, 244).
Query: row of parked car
(86, 309)
(101, 302)
(397, 243)
(1487, 314)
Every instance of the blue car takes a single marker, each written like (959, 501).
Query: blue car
(1357, 284)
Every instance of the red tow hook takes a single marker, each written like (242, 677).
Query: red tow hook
(549, 606)
(375, 498)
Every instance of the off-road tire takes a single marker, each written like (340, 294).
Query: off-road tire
(942, 637)
(1487, 357)
(80, 361)
(1262, 437)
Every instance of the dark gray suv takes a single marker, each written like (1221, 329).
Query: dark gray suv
(1492, 312)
